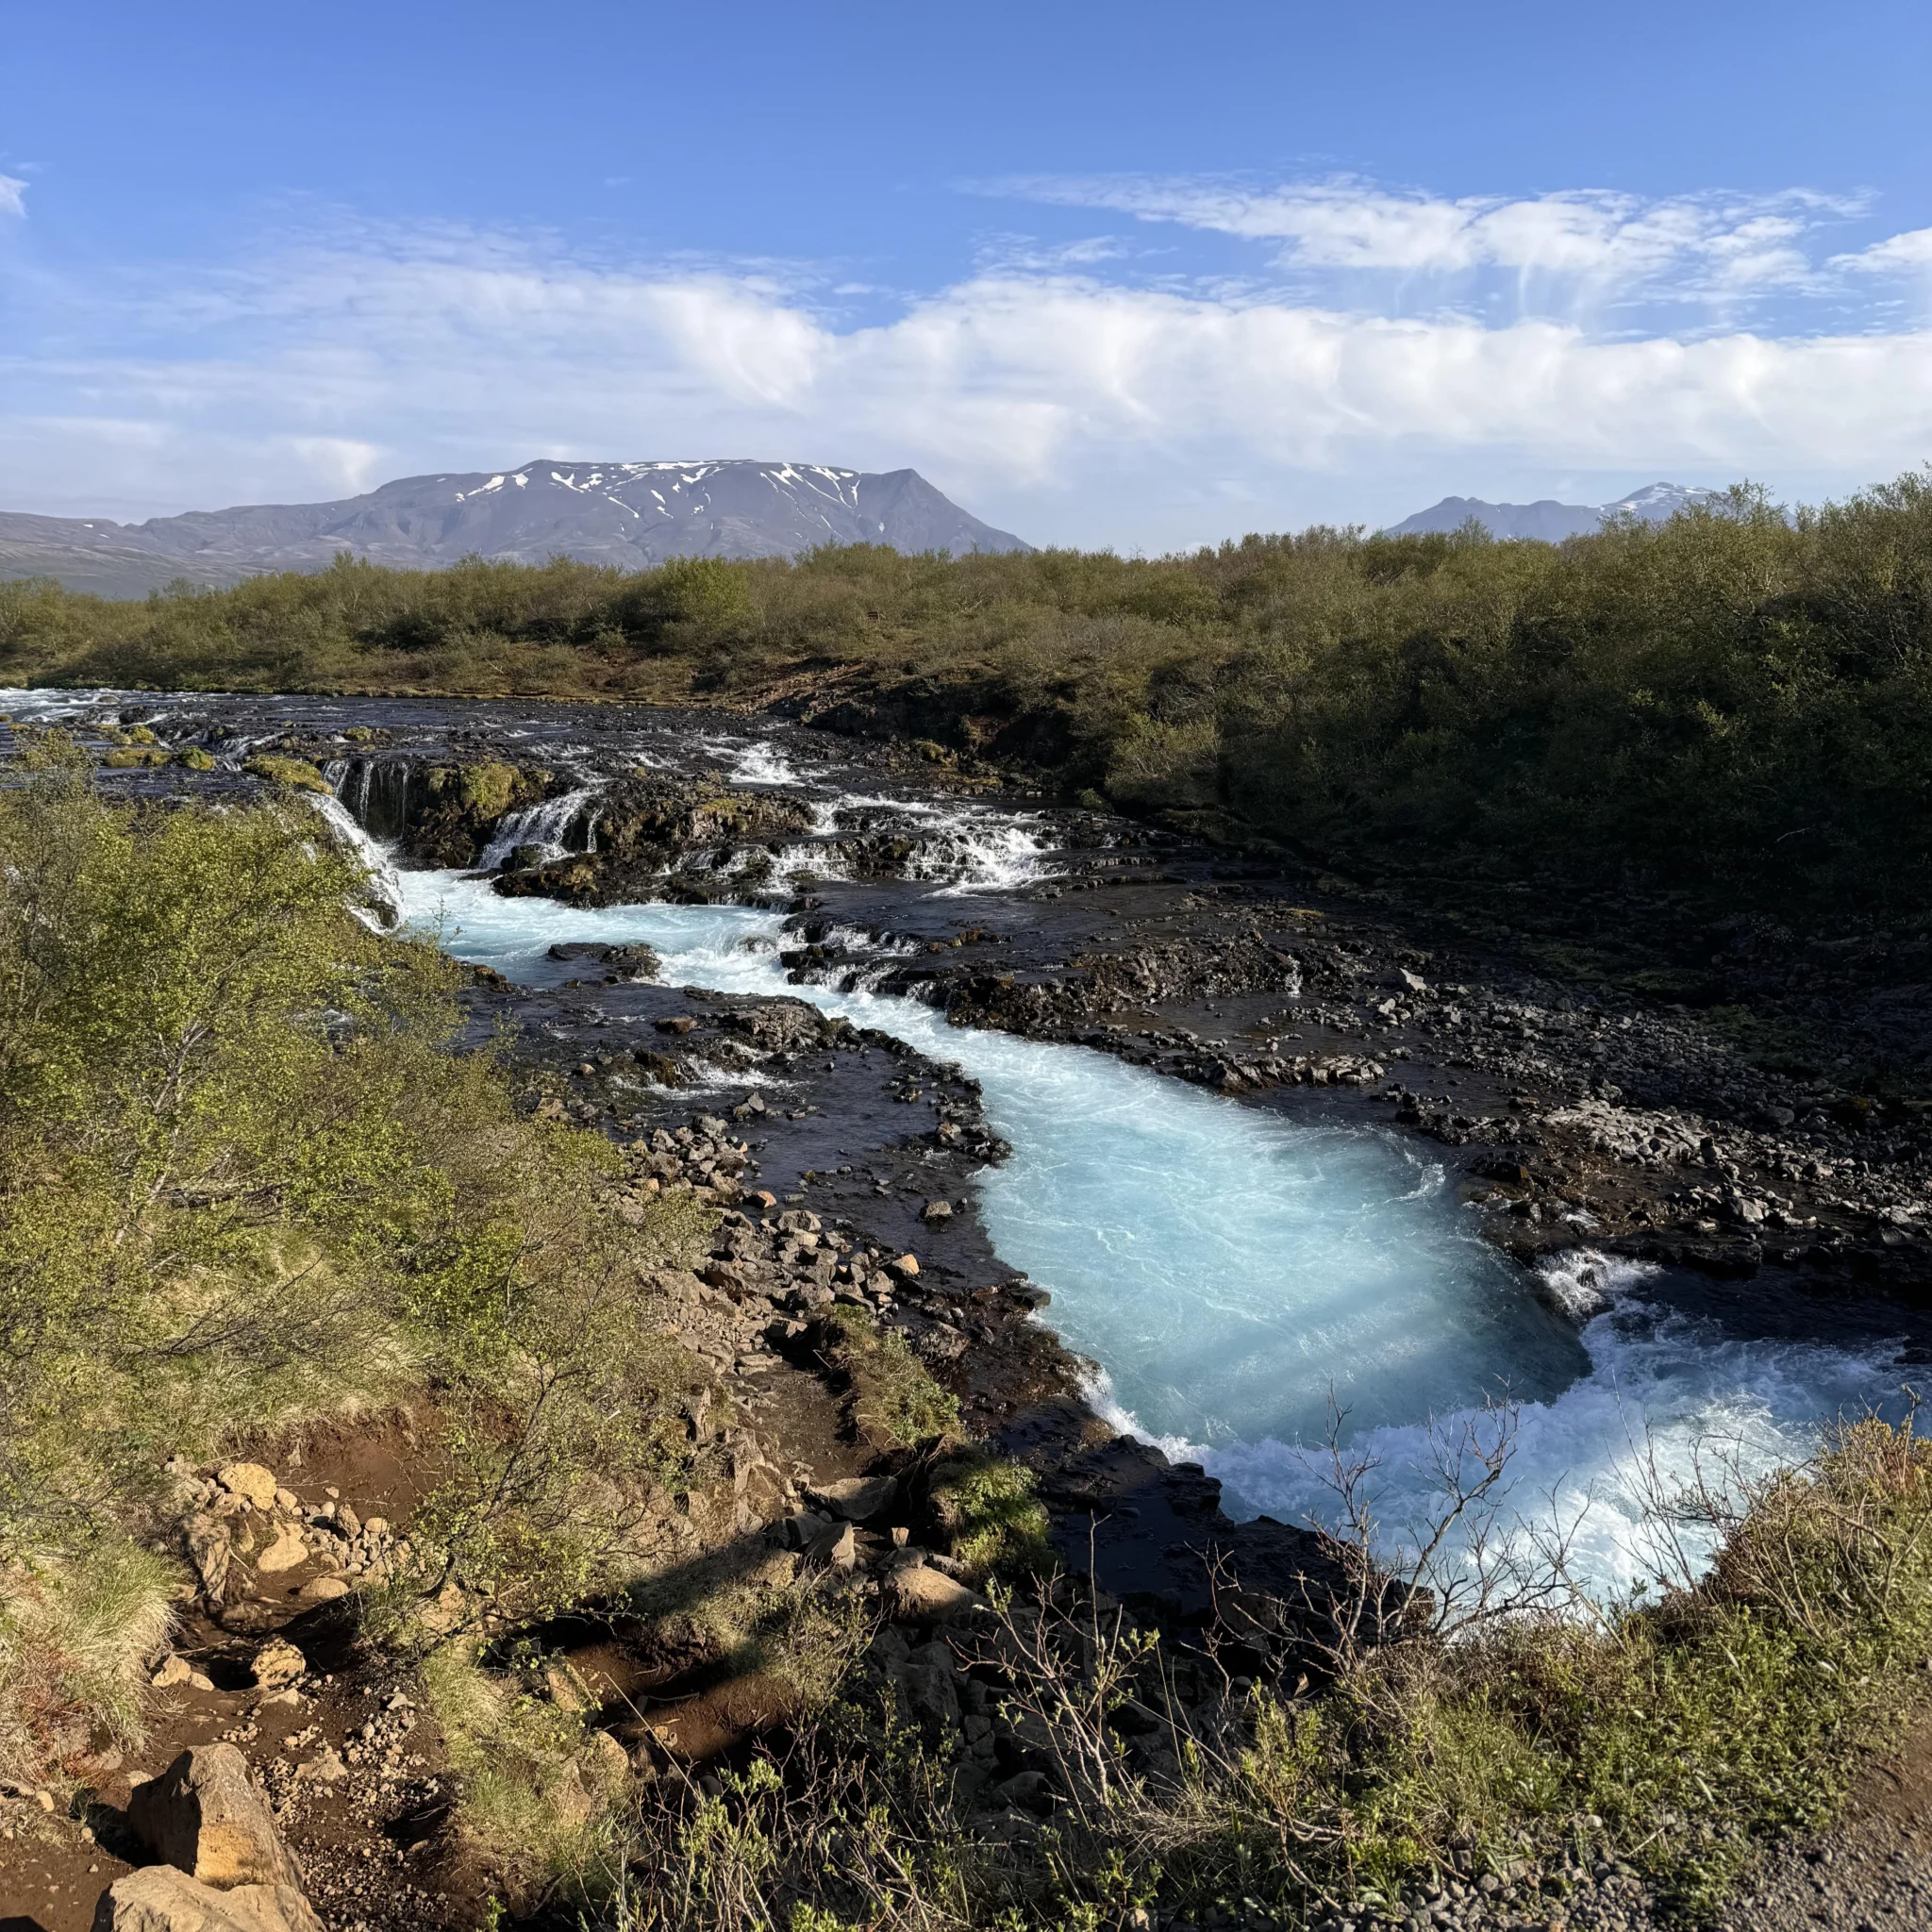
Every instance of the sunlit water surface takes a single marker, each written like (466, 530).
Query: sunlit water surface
(1252, 1286)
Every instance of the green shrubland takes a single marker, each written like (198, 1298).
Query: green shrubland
(1735, 701)
(246, 1182)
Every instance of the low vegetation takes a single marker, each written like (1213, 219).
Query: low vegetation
(892, 1401)
(1676, 1739)
(247, 1183)
(1736, 702)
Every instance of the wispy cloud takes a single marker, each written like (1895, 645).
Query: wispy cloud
(12, 195)
(1050, 398)
(1906, 253)
(1707, 246)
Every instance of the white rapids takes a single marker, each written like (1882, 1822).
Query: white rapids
(1247, 1284)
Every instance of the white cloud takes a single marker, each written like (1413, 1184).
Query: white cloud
(12, 195)
(1058, 403)
(1897, 254)
(1707, 245)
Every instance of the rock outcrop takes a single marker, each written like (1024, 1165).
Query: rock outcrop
(205, 1816)
(161, 1899)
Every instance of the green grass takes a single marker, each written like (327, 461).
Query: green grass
(892, 1399)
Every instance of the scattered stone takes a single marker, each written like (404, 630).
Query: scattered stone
(326, 1768)
(278, 1663)
(605, 1762)
(205, 1816)
(565, 1688)
(254, 1484)
(857, 1498)
(288, 1552)
(921, 1594)
(837, 1547)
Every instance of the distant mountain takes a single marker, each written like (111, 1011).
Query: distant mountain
(633, 515)
(1547, 519)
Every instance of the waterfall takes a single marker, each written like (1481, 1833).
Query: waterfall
(546, 826)
(378, 794)
(385, 909)
(374, 791)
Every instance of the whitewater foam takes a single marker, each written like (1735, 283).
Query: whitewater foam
(385, 910)
(1250, 1285)
(546, 826)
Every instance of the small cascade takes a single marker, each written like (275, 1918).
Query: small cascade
(761, 764)
(958, 851)
(377, 792)
(386, 906)
(233, 749)
(546, 826)
(984, 855)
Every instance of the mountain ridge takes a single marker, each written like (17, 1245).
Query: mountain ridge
(630, 515)
(1548, 520)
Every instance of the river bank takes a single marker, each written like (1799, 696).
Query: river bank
(1758, 1112)
(1563, 1114)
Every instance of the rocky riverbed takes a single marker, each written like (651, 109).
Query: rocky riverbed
(1774, 1162)
(1748, 1112)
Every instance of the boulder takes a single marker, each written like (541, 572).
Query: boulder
(161, 1899)
(835, 1546)
(923, 1595)
(631, 962)
(279, 1664)
(857, 1498)
(250, 1481)
(205, 1816)
(287, 1551)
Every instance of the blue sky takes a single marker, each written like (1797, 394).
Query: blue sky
(1136, 275)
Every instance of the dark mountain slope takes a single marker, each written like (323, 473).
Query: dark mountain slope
(631, 515)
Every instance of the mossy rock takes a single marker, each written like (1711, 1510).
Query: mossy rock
(193, 758)
(484, 791)
(995, 1523)
(297, 772)
(134, 760)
